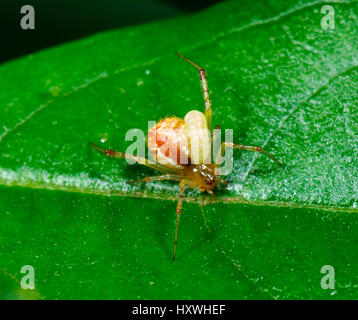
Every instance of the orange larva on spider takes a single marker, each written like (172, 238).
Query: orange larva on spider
(182, 150)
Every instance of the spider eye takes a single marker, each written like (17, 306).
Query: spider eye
(210, 180)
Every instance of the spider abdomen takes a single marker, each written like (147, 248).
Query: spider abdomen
(168, 143)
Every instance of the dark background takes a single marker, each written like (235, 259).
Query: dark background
(58, 21)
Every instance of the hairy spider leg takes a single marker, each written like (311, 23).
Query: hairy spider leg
(178, 211)
(138, 159)
(204, 85)
(225, 145)
(144, 161)
(180, 199)
(158, 178)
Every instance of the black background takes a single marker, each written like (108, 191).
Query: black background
(58, 21)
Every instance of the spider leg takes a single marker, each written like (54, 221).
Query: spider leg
(225, 145)
(138, 159)
(224, 182)
(158, 178)
(204, 85)
(178, 211)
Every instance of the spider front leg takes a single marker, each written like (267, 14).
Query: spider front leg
(225, 144)
(180, 199)
(158, 178)
(224, 182)
(178, 211)
(138, 159)
(204, 85)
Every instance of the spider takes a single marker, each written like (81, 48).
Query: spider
(195, 129)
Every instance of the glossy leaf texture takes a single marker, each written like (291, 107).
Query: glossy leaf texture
(276, 77)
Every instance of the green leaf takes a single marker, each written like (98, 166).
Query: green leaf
(275, 77)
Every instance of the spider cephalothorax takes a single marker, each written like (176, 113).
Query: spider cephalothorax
(182, 150)
(203, 176)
